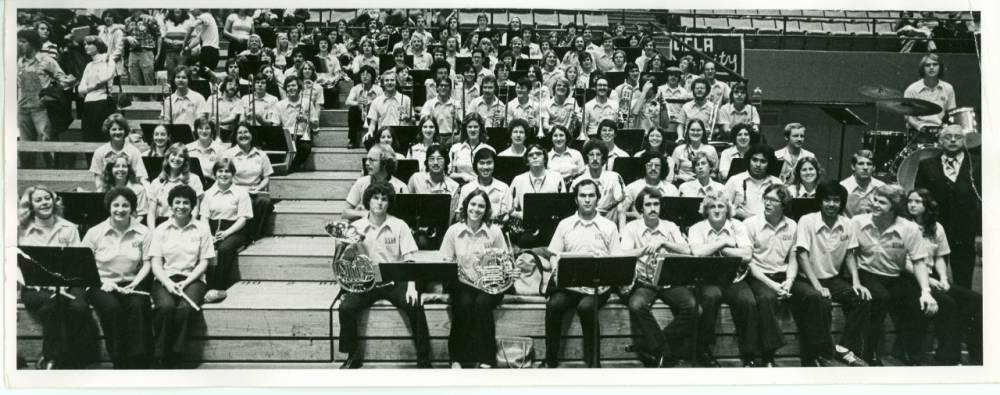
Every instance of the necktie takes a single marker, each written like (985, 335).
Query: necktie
(951, 168)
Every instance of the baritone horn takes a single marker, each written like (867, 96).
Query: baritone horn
(352, 269)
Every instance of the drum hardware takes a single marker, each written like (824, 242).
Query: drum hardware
(911, 107)
(885, 145)
(966, 118)
(879, 92)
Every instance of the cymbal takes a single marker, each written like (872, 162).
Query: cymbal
(915, 107)
(879, 92)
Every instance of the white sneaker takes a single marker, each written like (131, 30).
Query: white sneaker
(456, 365)
(215, 296)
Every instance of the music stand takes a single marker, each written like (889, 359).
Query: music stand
(388, 61)
(630, 140)
(85, 209)
(586, 95)
(249, 66)
(516, 75)
(58, 266)
(543, 211)
(629, 168)
(521, 64)
(404, 168)
(405, 136)
(428, 212)
(560, 52)
(506, 93)
(201, 86)
(631, 53)
(594, 272)
(844, 116)
(737, 166)
(498, 138)
(461, 63)
(178, 132)
(508, 167)
(615, 78)
(801, 206)
(682, 211)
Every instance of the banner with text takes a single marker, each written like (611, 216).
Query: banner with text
(726, 49)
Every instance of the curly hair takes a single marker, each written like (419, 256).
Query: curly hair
(26, 212)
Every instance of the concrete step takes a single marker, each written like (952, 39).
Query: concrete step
(314, 185)
(296, 258)
(330, 137)
(335, 159)
(304, 217)
(149, 112)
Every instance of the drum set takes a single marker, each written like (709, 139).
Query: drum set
(898, 153)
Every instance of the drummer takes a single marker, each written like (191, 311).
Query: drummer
(932, 88)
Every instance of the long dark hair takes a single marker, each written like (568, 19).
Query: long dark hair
(927, 220)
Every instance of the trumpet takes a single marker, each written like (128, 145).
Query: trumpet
(625, 106)
(499, 114)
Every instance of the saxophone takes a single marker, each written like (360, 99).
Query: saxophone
(355, 272)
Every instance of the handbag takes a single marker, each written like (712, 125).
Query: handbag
(515, 352)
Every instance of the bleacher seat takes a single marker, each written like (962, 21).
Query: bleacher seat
(687, 23)
(742, 25)
(878, 14)
(857, 14)
(318, 16)
(833, 14)
(766, 26)
(859, 28)
(790, 12)
(835, 28)
(467, 19)
(768, 12)
(721, 12)
(814, 14)
(566, 18)
(500, 20)
(745, 12)
(343, 15)
(718, 24)
(546, 19)
(527, 18)
(597, 20)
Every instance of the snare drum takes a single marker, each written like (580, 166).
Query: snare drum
(885, 146)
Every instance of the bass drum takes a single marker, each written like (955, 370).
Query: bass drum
(908, 161)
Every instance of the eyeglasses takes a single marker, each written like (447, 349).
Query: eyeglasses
(535, 153)
(772, 200)
(952, 137)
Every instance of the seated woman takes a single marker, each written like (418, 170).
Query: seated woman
(176, 171)
(207, 148)
(702, 184)
(160, 144)
(358, 101)
(428, 137)
(774, 278)
(387, 137)
(387, 239)
(518, 136)
(721, 235)
(120, 174)
(227, 209)
(654, 178)
(694, 141)
(381, 164)
(122, 301)
(68, 331)
(116, 128)
(743, 138)
(806, 176)
(472, 139)
(253, 173)
(179, 249)
(472, 341)
(960, 317)
(566, 161)
(497, 190)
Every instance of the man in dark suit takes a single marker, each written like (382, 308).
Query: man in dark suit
(955, 184)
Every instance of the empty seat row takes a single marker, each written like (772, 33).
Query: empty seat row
(775, 26)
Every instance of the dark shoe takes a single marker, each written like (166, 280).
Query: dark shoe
(823, 362)
(750, 363)
(424, 365)
(354, 361)
(548, 365)
(707, 360)
(848, 357)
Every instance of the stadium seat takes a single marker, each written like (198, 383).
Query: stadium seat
(599, 20)
(817, 39)
(742, 25)
(527, 18)
(698, 26)
(833, 14)
(722, 12)
(467, 19)
(566, 18)
(500, 20)
(766, 26)
(546, 19)
(878, 14)
(859, 28)
(343, 15)
(745, 12)
(768, 12)
(857, 14)
(687, 23)
(794, 37)
(814, 14)
(835, 28)
(790, 12)
(319, 15)
(718, 24)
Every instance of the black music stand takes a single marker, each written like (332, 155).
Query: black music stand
(85, 209)
(498, 138)
(629, 168)
(593, 272)
(506, 93)
(543, 211)
(615, 78)
(630, 140)
(404, 168)
(631, 53)
(249, 67)
(388, 61)
(405, 136)
(516, 75)
(427, 213)
(801, 206)
(844, 116)
(508, 167)
(583, 94)
(178, 132)
(560, 52)
(58, 266)
(270, 138)
(204, 87)
(524, 64)
(461, 63)
(739, 165)
(682, 211)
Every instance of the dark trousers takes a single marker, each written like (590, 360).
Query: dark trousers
(224, 273)
(561, 301)
(809, 309)
(208, 60)
(742, 306)
(900, 298)
(857, 314)
(302, 150)
(69, 334)
(352, 304)
(650, 338)
(355, 125)
(963, 262)
(172, 317)
(125, 322)
(472, 339)
(959, 319)
(262, 209)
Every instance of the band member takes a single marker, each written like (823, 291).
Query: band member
(391, 108)
(207, 40)
(227, 209)
(381, 164)
(120, 250)
(822, 248)
(612, 187)
(743, 136)
(930, 87)
(482, 163)
(739, 110)
(884, 242)
(698, 108)
(69, 335)
(176, 171)
(598, 109)
(428, 137)
(631, 83)
(260, 111)
(253, 172)
(116, 128)
(960, 317)
(524, 106)
(562, 159)
(119, 174)
(795, 138)
(472, 341)
(585, 232)
(538, 179)
(774, 278)
(179, 249)
(387, 239)
(647, 236)
(444, 109)
(519, 130)
(207, 148)
(472, 139)
(161, 142)
(720, 235)
(607, 130)
(955, 181)
(672, 93)
(718, 91)
(702, 184)
(805, 178)
(695, 139)
(299, 119)
(359, 100)
(654, 177)
(861, 185)
(434, 179)
(184, 103)
(227, 109)
(561, 110)
(745, 191)
(488, 106)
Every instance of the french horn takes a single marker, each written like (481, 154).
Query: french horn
(492, 270)
(355, 272)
